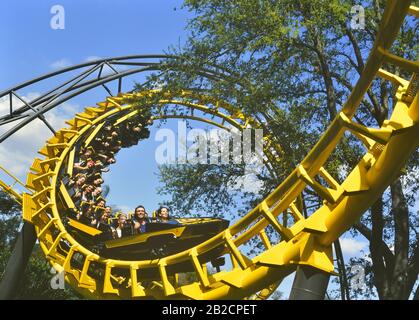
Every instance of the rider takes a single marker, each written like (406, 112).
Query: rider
(164, 217)
(102, 224)
(120, 230)
(102, 218)
(140, 219)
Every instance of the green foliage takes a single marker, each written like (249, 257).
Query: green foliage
(35, 282)
(284, 62)
(291, 64)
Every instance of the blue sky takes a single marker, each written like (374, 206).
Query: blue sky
(92, 29)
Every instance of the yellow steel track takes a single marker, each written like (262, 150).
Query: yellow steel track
(304, 241)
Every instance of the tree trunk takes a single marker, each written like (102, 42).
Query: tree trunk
(416, 297)
(399, 279)
(327, 78)
(377, 255)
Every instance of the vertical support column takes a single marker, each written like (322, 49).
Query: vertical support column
(343, 279)
(309, 284)
(17, 262)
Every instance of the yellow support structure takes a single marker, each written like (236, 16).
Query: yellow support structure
(107, 284)
(167, 286)
(202, 274)
(305, 242)
(136, 289)
(9, 188)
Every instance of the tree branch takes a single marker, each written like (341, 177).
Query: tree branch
(327, 77)
(360, 67)
(377, 255)
(372, 108)
(413, 270)
(355, 46)
(367, 233)
(401, 239)
(351, 61)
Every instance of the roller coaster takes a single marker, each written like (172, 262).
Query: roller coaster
(304, 242)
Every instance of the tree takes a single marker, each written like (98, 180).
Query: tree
(35, 282)
(293, 64)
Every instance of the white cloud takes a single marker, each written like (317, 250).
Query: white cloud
(352, 247)
(123, 208)
(66, 109)
(59, 64)
(343, 171)
(367, 258)
(18, 151)
(92, 58)
(249, 182)
(409, 179)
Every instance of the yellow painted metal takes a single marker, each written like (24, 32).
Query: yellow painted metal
(28, 207)
(137, 290)
(283, 231)
(141, 238)
(69, 202)
(90, 138)
(42, 232)
(83, 227)
(107, 284)
(414, 11)
(195, 220)
(235, 252)
(70, 164)
(392, 77)
(265, 239)
(167, 286)
(414, 112)
(202, 274)
(9, 187)
(126, 117)
(306, 242)
(265, 293)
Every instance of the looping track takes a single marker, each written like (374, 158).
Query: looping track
(304, 241)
